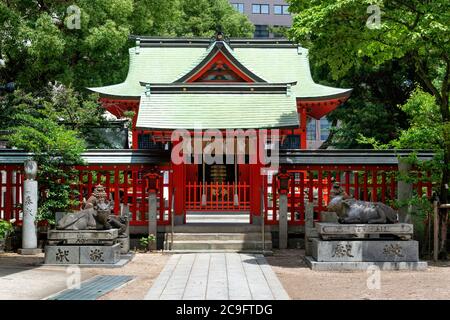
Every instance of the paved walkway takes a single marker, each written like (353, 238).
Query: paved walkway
(217, 276)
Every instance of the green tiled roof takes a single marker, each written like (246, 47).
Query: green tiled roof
(224, 111)
(154, 65)
(166, 64)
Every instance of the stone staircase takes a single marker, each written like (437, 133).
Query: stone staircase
(218, 237)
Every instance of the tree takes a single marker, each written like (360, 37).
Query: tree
(34, 127)
(415, 31)
(372, 109)
(202, 18)
(41, 42)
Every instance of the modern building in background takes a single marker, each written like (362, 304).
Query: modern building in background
(266, 15)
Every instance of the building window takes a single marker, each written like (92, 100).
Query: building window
(292, 141)
(239, 7)
(261, 31)
(145, 141)
(281, 9)
(311, 129)
(324, 129)
(260, 8)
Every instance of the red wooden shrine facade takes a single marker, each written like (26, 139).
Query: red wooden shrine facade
(126, 184)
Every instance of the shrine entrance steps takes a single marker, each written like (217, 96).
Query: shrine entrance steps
(219, 232)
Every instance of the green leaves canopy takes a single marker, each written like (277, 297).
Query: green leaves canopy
(38, 47)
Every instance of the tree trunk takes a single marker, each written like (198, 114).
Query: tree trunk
(445, 177)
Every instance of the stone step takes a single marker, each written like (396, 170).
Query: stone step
(266, 252)
(253, 236)
(217, 217)
(221, 245)
(218, 228)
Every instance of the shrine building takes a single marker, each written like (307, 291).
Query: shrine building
(218, 84)
(259, 90)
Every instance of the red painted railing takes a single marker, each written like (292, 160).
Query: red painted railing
(126, 185)
(313, 184)
(11, 190)
(219, 196)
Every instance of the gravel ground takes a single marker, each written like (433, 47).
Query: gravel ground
(302, 283)
(24, 277)
(145, 267)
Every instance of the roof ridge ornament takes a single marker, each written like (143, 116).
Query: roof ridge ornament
(288, 89)
(138, 45)
(220, 37)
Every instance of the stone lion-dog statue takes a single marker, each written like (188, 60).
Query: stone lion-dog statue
(349, 210)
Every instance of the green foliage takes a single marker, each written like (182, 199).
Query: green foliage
(146, 242)
(35, 126)
(38, 47)
(5, 229)
(372, 108)
(413, 33)
(344, 34)
(416, 28)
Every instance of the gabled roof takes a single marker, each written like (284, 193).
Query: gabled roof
(222, 49)
(167, 60)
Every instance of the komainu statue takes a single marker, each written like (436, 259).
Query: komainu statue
(349, 210)
(95, 215)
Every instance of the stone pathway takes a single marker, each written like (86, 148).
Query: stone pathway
(217, 276)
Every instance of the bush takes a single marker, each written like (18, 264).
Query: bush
(6, 228)
(147, 241)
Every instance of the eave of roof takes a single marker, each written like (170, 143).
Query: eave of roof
(218, 87)
(277, 61)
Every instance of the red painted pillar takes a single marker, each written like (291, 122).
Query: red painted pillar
(256, 183)
(303, 120)
(178, 176)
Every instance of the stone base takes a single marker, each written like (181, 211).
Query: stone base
(365, 251)
(362, 266)
(62, 255)
(124, 245)
(29, 252)
(58, 255)
(329, 230)
(80, 237)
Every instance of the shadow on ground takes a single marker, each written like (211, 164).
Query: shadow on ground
(287, 258)
(11, 263)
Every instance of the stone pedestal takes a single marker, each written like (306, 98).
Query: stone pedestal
(100, 254)
(365, 251)
(359, 246)
(124, 244)
(79, 237)
(329, 230)
(85, 247)
(62, 255)
(82, 254)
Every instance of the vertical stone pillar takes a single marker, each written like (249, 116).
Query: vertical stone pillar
(309, 227)
(30, 204)
(283, 222)
(404, 191)
(152, 217)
